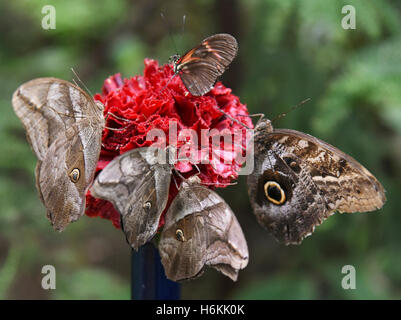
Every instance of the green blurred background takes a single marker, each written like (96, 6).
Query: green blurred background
(289, 51)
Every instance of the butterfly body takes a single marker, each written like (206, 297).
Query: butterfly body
(300, 180)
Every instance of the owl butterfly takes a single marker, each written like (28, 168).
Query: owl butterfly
(298, 181)
(200, 67)
(64, 128)
(137, 184)
(200, 229)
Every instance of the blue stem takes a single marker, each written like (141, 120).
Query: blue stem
(148, 281)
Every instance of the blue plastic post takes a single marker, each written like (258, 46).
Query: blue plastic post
(148, 281)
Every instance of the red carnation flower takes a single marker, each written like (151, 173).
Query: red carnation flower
(156, 100)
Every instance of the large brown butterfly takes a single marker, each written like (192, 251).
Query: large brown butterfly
(200, 67)
(64, 127)
(299, 181)
(200, 228)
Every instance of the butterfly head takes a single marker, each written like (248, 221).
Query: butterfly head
(264, 126)
(99, 110)
(191, 181)
(174, 59)
(99, 105)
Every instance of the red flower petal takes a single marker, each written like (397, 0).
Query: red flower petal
(147, 103)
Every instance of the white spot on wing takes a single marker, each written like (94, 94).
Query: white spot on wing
(283, 140)
(303, 144)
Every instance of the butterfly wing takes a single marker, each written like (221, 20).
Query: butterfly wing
(138, 187)
(201, 230)
(62, 194)
(64, 127)
(47, 107)
(316, 178)
(200, 67)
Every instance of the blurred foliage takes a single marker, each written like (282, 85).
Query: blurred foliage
(289, 51)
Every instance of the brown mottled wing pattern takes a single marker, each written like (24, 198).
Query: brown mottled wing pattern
(64, 127)
(348, 186)
(200, 67)
(318, 180)
(138, 187)
(211, 236)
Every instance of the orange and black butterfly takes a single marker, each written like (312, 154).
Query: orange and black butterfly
(200, 67)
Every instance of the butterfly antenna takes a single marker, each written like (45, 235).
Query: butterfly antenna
(116, 129)
(180, 175)
(232, 119)
(292, 109)
(214, 168)
(108, 114)
(221, 183)
(116, 117)
(175, 182)
(204, 183)
(260, 115)
(169, 80)
(80, 81)
(197, 168)
(169, 31)
(183, 29)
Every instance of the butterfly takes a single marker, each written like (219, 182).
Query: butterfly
(64, 128)
(200, 67)
(137, 184)
(298, 181)
(200, 228)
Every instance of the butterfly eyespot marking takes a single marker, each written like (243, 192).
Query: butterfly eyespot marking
(274, 193)
(147, 205)
(179, 234)
(75, 175)
(292, 163)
